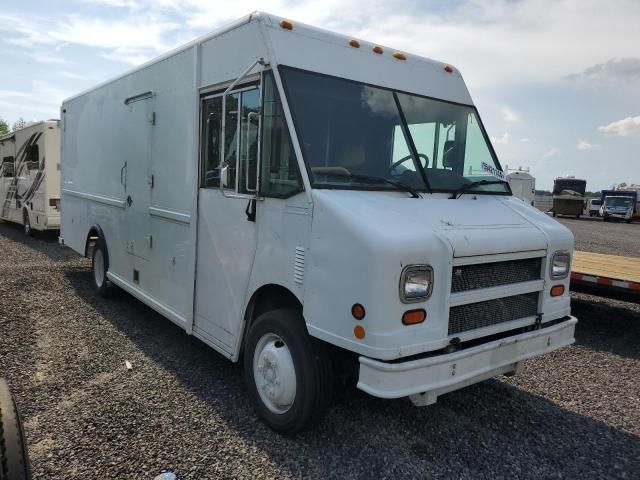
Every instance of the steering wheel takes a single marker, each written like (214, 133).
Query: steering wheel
(409, 157)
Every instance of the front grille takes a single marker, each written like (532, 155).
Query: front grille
(463, 318)
(485, 275)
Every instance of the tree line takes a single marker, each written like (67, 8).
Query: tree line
(17, 125)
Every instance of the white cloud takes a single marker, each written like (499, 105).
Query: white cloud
(627, 69)
(626, 127)
(551, 153)
(509, 115)
(584, 145)
(502, 140)
(525, 140)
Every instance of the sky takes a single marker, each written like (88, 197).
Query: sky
(556, 82)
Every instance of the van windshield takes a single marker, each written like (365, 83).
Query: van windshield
(352, 133)
(618, 202)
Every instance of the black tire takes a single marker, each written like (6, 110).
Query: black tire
(554, 214)
(578, 217)
(313, 372)
(14, 459)
(101, 284)
(26, 224)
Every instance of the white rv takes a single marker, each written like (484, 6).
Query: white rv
(523, 185)
(303, 200)
(30, 177)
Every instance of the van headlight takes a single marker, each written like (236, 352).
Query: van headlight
(416, 283)
(560, 264)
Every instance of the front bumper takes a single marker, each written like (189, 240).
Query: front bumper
(427, 378)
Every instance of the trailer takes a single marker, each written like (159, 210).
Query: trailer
(30, 177)
(317, 205)
(568, 196)
(606, 272)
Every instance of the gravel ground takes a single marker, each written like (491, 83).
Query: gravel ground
(571, 414)
(612, 238)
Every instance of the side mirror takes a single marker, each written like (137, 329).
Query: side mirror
(450, 155)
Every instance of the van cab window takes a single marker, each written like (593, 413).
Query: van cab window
(359, 136)
(280, 176)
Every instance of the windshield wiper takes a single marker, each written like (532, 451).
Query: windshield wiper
(399, 185)
(464, 188)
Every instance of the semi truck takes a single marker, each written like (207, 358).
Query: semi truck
(318, 206)
(30, 177)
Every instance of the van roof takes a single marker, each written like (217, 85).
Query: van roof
(332, 54)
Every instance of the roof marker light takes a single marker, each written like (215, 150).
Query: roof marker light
(286, 24)
(448, 68)
(354, 43)
(399, 55)
(378, 50)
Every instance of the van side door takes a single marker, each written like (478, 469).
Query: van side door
(226, 240)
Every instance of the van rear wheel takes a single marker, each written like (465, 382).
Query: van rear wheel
(289, 375)
(14, 459)
(99, 268)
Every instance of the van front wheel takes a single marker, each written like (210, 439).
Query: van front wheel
(289, 374)
(99, 268)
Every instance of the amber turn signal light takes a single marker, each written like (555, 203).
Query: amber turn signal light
(354, 43)
(357, 311)
(399, 55)
(557, 290)
(286, 24)
(358, 331)
(378, 49)
(448, 68)
(413, 317)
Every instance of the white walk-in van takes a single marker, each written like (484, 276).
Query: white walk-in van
(30, 176)
(313, 204)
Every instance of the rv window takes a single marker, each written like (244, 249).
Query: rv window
(33, 157)
(280, 176)
(7, 167)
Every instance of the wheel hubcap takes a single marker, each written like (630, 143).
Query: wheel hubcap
(98, 267)
(274, 373)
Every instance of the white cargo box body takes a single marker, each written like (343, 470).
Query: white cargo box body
(523, 186)
(135, 172)
(30, 176)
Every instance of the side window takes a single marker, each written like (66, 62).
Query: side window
(280, 176)
(249, 126)
(7, 167)
(240, 142)
(33, 157)
(210, 154)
